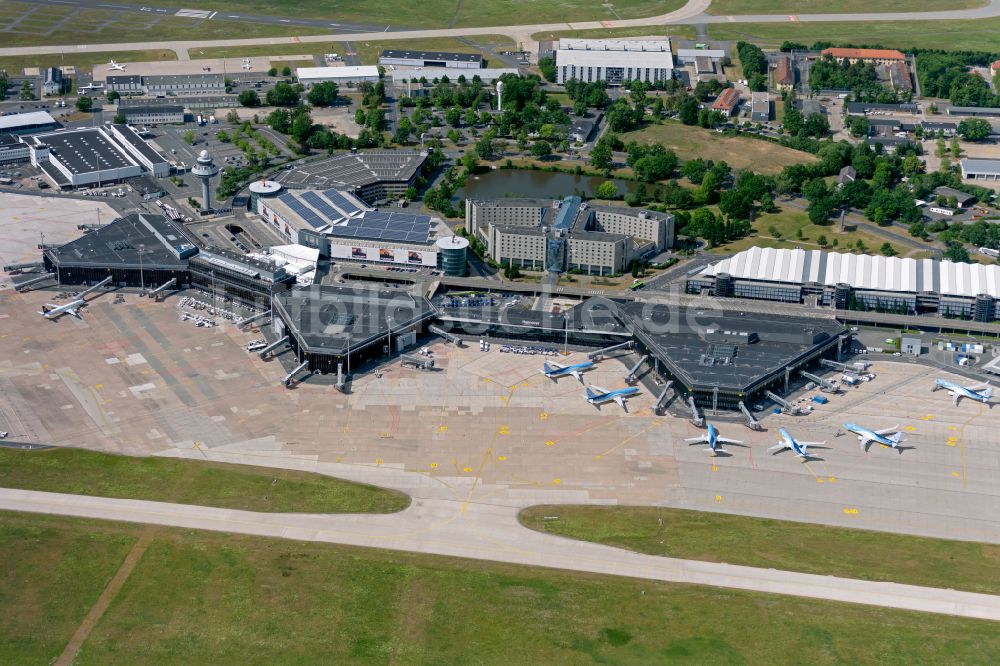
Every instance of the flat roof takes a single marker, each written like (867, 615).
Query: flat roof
(335, 320)
(86, 150)
(29, 119)
(349, 171)
(140, 145)
(978, 165)
(134, 109)
(356, 72)
(123, 79)
(868, 54)
(443, 56)
(10, 140)
(430, 73)
(117, 245)
(167, 79)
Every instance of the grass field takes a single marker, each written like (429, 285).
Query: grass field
(787, 222)
(680, 31)
(368, 52)
(16, 64)
(739, 152)
(198, 597)
(724, 7)
(778, 544)
(979, 34)
(191, 482)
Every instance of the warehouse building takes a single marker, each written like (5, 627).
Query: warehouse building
(331, 326)
(125, 84)
(567, 235)
(855, 282)
(342, 76)
(974, 111)
(13, 150)
(342, 227)
(152, 114)
(374, 176)
(95, 155)
(434, 59)
(614, 61)
(27, 123)
(980, 169)
(865, 108)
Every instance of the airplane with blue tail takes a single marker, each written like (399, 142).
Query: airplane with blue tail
(554, 371)
(714, 440)
(890, 437)
(981, 394)
(789, 442)
(597, 396)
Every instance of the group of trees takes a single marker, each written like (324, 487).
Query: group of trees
(813, 125)
(651, 163)
(947, 74)
(587, 95)
(861, 78)
(754, 64)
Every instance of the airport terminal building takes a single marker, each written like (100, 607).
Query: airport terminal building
(856, 282)
(567, 234)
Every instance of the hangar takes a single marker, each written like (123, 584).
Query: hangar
(399, 58)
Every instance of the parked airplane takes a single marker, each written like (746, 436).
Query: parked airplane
(596, 395)
(890, 437)
(59, 310)
(554, 371)
(789, 442)
(94, 85)
(981, 394)
(115, 66)
(713, 439)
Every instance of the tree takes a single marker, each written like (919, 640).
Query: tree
(548, 69)
(888, 250)
(113, 96)
(282, 94)
(249, 98)
(286, 71)
(453, 116)
(860, 127)
(120, 118)
(470, 161)
(233, 117)
(222, 136)
(84, 104)
(956, 252)
(273, 71)
(822, 240)
(541, 149)
(323, 94)
(974, 129)
(606, 190)
(27, 92)
(189, 137)
(600, 157)
(694, 170)
(510, 271)
(689, 111)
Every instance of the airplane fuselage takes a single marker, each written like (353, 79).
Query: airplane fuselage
(792, 444)
(553, 373)
(962, 391)
(864, 433)
(611, 395)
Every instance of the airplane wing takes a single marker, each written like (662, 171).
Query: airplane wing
(955, 397)
(978, 388)
(779, 446)
(865, 441)
(576, 373)
(74, 312)
(621, 402)
(598, 389)
(697, 440)
(887, 431)
(726, 440)
(804, 444)
(555, 366)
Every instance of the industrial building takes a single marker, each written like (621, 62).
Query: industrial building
(13, 150)
(342, 227)
(330, 326)
(152, 114)
(877, 56)
(342, 76)
(136, 250)
(27, 123)
(760, 107)
(374, 176)
(398, 58)
(430, 74)
(125, 84)
(974, 111)
(95, 156)
(184, 84)
(52, 81)
(567, 235)
(614, 61)
(980, 169)
(855, 282)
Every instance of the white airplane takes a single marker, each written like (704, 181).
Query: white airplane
(94, 85)
(554, 371)
(113, 66)
(596, 395)
(714, 440)
(59, 310)
(890, 437)
(788, 442)
(981, 394)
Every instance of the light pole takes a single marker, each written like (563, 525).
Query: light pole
(142, 279)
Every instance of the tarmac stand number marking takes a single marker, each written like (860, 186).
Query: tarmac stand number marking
(466, 469)
(718, 498)
(955, 474)
(715, 468)
(502, 458)
(556, 482)
(544, 416)
(851, 512)
(927, 417)
(952, 441)
(550, 443)
(443, 428)
(504, 430)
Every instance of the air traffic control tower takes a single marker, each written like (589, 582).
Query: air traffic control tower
(205, 169)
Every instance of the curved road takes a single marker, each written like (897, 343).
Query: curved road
(461, 517)
(691, 13)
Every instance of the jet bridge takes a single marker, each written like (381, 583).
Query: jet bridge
(287, 381)
(454, 339)
(28, 283)
(784, 404)
(661, 402)
(752, 423)
(169, 283)
(824, 384)
(271, 347)
(601, 353)
(696, 416)
(106, 281)
(23, 267)
(420, 362)
(630, 375)
(257, 317)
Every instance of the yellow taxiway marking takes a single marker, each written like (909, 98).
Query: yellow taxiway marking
(715, 468)
(955, 474)
(550, 443)
(831, 479)
(466, 469)
(909, 428)
(434, 465)
(544, 416)
(379, 461)
(442, 428)
(927, 417)
(556, 482)
(501, 458)
(718, 498)
(851, 512)
(98, 386)
(504, 430)
(952, 428)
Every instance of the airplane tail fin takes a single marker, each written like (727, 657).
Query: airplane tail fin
(988, 392)
(591, 393)
(896, 438)
(547, 367)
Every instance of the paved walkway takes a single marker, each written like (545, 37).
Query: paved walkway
(485, 531)
(691, 13)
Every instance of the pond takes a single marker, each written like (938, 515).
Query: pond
(501, 183)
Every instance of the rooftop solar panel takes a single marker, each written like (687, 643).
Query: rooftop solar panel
(322, 206)
(341, 201)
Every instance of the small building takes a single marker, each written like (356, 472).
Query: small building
(184, 84)
(899, 76)
(727, 102)
(980, 169)
(401, 58)
(784, 74)
(963, 199)
(52, 82)
(690, 56)
(153, 114)
(581, 129)
(889, 143)
(974, 111)
(940, 129)
(911, 345)
(760, 107)
(877, 56)
(866, 108)
(342, 76)
(125, 84)
(13, 150)
(847, 175)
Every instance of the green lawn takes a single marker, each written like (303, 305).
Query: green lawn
(979, 34)
(739, 152)
(725, 7)
(677, 31)
(368, 52)
(191, 482)
(778, 544)
(199, 597)
(16, 64)
(789, 220)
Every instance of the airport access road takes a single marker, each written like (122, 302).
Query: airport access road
(491, 532)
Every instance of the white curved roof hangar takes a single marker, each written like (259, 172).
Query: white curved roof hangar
(860, 271)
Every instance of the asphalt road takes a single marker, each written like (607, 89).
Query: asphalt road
(490, 531)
